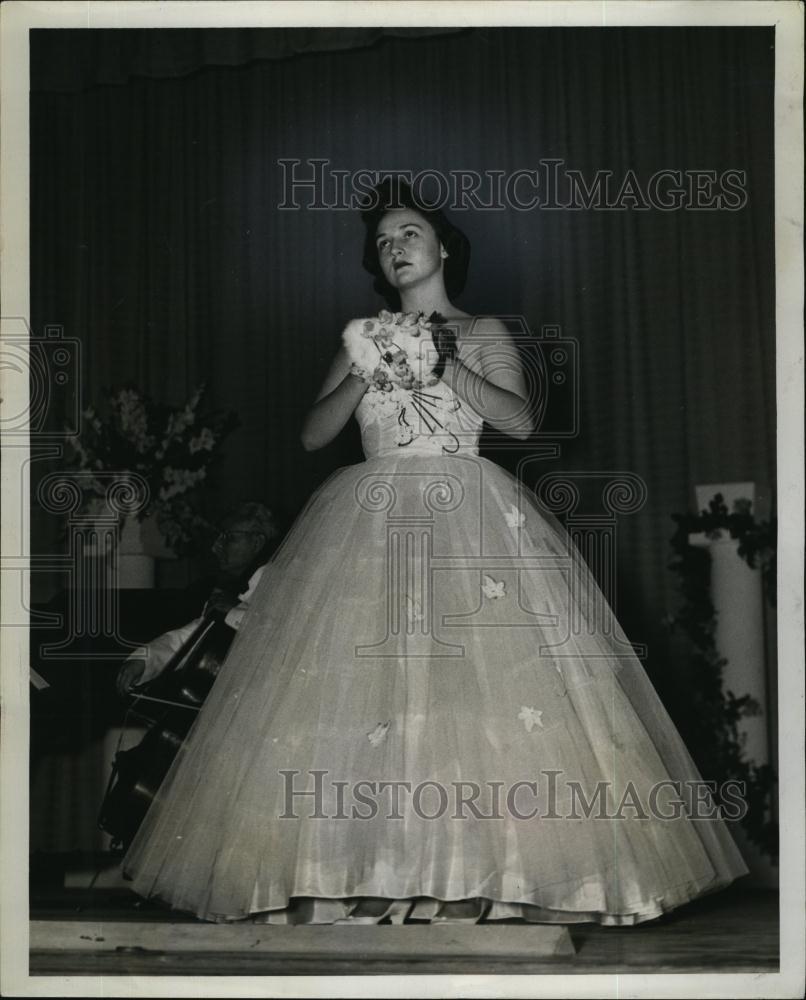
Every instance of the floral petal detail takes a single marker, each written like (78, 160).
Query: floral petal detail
(530, 717)
(378, 734)
(493, 589)
(514, 518)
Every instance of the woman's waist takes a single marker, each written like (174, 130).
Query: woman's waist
(429, 449)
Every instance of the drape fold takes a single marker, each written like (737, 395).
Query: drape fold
(109, 56)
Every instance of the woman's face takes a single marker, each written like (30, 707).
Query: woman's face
(409, 250)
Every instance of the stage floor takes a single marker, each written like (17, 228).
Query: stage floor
(736, 930)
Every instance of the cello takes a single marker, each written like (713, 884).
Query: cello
(176, 696)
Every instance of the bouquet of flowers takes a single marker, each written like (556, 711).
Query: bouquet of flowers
(393, 349)
(172, 449)
(395, 353)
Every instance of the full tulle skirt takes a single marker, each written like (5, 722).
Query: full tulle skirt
(428, 702)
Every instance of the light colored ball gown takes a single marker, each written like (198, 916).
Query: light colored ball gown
(418, 626)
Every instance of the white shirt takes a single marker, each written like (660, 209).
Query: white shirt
(159, 651)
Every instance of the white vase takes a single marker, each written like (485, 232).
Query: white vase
(126, 547)
(134, 568)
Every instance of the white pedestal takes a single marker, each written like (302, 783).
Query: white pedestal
(738, 598)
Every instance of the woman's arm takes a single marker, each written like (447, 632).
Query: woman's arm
(341, 392)
(492, 381)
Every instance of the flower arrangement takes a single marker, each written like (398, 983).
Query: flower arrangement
(395, 354)
(172, 449)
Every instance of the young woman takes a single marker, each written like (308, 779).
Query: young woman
(421, 716)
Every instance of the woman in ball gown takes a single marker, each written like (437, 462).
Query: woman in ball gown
(423, 715)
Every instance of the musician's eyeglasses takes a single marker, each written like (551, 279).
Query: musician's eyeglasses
(228, 536)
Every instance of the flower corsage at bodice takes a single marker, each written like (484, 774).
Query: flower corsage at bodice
(395, 354)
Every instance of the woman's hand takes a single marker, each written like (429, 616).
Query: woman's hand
(491, 379)
(444, 339)
(360, 373)
(337, 399)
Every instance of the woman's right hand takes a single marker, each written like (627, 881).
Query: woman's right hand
(360, 373)
(337, 399)
(129, 675)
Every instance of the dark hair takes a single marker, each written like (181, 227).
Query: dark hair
(394, 194)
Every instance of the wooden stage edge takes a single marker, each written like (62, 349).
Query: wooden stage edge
(735, 933)
(446, 939)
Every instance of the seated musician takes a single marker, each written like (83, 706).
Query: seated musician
(249, 534)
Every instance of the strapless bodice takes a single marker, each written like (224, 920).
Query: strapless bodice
(427, 421)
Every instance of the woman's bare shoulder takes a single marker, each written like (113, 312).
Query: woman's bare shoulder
(483, 326)
(489, 322)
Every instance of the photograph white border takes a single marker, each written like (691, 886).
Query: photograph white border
(17, 17)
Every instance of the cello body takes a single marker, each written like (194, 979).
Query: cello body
(138, 773)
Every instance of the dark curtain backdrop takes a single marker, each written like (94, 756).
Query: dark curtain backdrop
(157, 240)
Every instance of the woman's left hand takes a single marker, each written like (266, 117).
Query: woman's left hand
(490, 377)
(444, 341)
